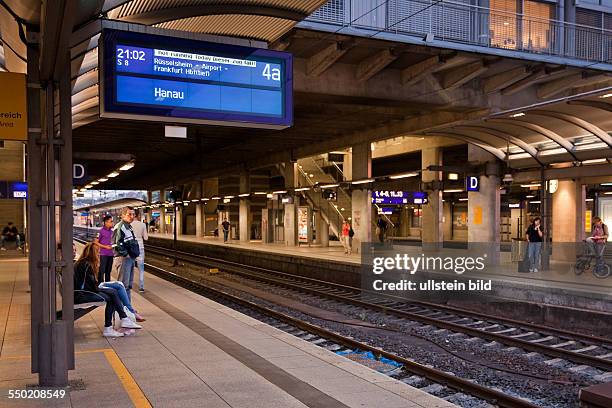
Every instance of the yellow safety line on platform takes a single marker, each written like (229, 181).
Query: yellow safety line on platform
(138, 398)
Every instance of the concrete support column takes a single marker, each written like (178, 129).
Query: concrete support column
(361, 200)
(178, 219)
(322, 233)
(484, 207)
(290, 221)
(244, 215)
(162, 212)
(199, 212)
(568, 212)
(149, 210)
(432, 235)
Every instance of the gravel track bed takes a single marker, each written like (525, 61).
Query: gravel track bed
(424, 344)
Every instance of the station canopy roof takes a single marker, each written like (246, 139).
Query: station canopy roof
(347, 90)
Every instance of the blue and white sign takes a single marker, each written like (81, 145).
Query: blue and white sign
(472, 183)
(398, 197)
(17, 189)
(152, 77)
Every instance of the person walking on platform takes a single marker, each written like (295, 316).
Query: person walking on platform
(140, 232)
(10, 233)
(125, 248)
(381, 228)
(347, 237)
(534, 247)
(104, 242)
(226, 229)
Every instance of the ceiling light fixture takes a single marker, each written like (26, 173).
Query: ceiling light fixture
(126, 166)
(401, 176)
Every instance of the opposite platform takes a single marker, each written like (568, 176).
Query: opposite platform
(192, 352)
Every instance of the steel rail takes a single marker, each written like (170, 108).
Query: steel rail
(459, 384)
(510, 341)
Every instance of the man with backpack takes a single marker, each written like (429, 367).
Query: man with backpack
(125, 248)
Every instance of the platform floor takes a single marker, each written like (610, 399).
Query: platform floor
(560, 276)
(192, 352)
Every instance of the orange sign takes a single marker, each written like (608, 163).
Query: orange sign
(13, 107)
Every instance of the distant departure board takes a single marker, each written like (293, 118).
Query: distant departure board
(153, 77)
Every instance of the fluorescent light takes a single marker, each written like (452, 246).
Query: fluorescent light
(530, 185)
(280, 192)
(194, 201)
(517, 115)
(608, 95)
(244, 195)
(260, 193)
(329, 185)
(126, 166)
(302, 189)
(179, 202)
(401, 176)
(103, 179)
(229, 197)
(606, 184)
(530, 196)
(589, 199)
(204, 199)
(535, 202)
(363, 181)
(94, 183)
(113, 174)
(608, 192)
(463, 199)
(453, 176)
(593, 161)
(215, 198)
(453, 190)
(88, 186)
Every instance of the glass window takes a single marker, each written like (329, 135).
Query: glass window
(537, 33)
(503, 23)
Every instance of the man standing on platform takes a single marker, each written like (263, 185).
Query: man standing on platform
(125, 248)
(140, 232)
(226, 229)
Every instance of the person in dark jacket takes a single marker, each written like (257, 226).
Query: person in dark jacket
(534, 236)
(125, 248)
(86, 290)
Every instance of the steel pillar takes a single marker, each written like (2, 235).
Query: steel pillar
(50, 220)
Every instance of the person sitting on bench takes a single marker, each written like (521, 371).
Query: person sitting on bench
(10, 233)
(86, 290)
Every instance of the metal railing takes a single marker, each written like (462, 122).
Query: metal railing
(464, 23)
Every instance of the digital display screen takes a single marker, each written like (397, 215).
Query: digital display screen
(13, 189)
(398, 197)
(183, 80)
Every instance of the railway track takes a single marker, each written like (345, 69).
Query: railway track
(582, 350)
(420, 376)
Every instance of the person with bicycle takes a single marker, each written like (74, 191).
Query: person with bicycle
(534, 236)
(597, 241)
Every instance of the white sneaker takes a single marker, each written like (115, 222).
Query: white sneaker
(110, 332)
(535, 270)
(131, 315)
(530, 269)
(127, 323)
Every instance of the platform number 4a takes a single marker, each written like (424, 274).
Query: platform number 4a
(271, 73)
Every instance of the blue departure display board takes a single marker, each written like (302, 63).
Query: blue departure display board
(152, 77)
(398, 197)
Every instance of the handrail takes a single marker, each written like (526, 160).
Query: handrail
(465, 23)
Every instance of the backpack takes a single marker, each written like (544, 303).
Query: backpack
(351, 233)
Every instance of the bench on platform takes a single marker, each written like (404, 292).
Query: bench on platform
(80, 309)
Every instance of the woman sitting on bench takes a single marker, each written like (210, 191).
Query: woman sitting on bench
(86, 290)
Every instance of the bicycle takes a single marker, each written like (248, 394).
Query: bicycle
(600, 270)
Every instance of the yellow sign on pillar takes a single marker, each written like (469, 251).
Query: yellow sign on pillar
(13, 107)
(478, 215)
(588, 220)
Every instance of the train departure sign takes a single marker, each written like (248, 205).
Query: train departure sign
(398, 197)
(153, 77)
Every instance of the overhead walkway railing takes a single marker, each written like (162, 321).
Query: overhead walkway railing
(460, 22)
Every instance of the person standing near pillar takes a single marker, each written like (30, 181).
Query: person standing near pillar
(346, 237)
(140, 232)
(534, 237)
(226, 229)
(104, 242)
(125, 248)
